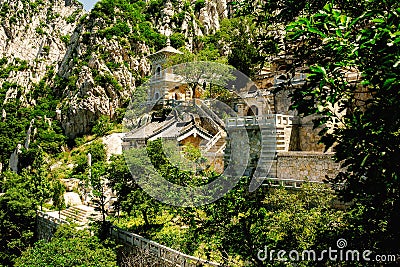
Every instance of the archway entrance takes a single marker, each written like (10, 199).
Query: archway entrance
(252, 111)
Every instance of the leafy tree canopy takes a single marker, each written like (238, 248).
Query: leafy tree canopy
(333, 40)
(69, 247)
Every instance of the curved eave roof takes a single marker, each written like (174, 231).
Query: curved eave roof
(166, 50)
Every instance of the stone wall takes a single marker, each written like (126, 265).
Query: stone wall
(46, 225)
(308, 136)
(243, 148)
(299, 165)
(304, 137)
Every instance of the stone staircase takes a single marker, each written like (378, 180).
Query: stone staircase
(282, 144)
(215, 145)
(79, 214)
(266, 166)
(218, 146)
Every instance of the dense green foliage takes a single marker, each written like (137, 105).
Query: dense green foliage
(49, 135)
(17, 216)
(240, 34)
(325, 38)
(234, 228)
(102, 126)
(331, 39)
(134, 13)
(69, 247)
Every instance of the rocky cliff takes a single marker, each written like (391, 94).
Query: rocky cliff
(33, 32)
(91, 61)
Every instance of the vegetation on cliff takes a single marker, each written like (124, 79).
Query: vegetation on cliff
(75, 89)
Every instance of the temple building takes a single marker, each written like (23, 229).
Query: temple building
(290, 152)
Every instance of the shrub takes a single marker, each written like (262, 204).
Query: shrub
(69, 247)
(102, 126)
(39, 30)
(199, 4)
(66, 39)
(177, 40)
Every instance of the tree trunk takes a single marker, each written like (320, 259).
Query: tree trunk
(145, 218)
(103, 210)
(118, 212)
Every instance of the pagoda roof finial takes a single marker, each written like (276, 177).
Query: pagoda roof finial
(167, 51)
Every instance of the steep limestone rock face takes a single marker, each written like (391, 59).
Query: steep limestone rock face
(34, 32)
(91, 61)
(211, 14)
(165, 21)
(195, 19)
(100, 70)
(33, 39)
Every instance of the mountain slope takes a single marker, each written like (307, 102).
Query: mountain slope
(65, 67)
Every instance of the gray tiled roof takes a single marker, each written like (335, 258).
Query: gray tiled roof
(168, 129)
(149, 129)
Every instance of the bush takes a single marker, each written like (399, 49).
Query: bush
(65, 39)
(69, 247)
(98, 151)
(177, 40)
(199, 4)
(46, 49)
(39, 30)
(102, 126)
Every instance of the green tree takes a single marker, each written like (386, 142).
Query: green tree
(177, 40)
(33, 166)
(17, 217)
(120, 179)
(244, 54)
(366, 137)
(131, 196)
(98, 183)
(236, 227)
(194, 156)
(98, 151)
(102, 126)
(58, 196)
(40, 179)
(69, 247)
(333, 39)
(196, 73)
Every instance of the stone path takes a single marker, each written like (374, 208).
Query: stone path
(80, 214)
(113, 143)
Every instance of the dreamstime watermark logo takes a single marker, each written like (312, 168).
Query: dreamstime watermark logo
(179, 91)
(340, 253)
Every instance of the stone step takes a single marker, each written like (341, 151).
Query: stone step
(72, 215)
(269, 148)
(217, 146)
(77, 213)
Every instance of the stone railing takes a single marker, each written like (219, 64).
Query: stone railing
(162, 252)
(269, 119)
(48, 217)
(204, 105)
(288, 183)
(47, 225)
(212, 141)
